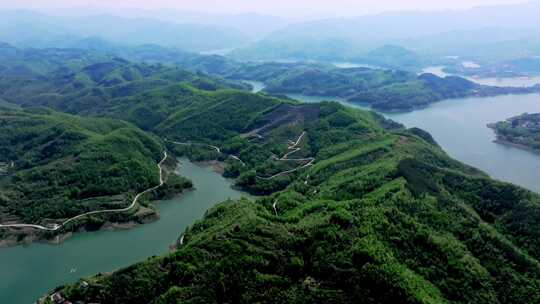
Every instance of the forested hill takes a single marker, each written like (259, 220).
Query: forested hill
(390, 89)
(52, 76)
(354, 207)
(382, 216)
(55, 166)
(383, 90)
(73, 80)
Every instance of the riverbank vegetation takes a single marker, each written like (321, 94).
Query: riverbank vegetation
(41, 79)
(383, 90)
(522, 131)
(57, 166)
(383, 214)
(353, 207)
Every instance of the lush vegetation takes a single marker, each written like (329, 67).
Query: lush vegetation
(393, 57)
(522, 130)
(383, 216)
(92, 83)
(385, 90)
(521, 66)
(355, 209)
(394, 89)
(58, 166)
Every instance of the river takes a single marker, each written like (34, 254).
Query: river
(28, 272)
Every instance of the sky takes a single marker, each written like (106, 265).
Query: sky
(273, 7)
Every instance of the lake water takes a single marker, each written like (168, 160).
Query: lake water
(28, 272)
(435, 70)
(314, 99)
(351, 65)
(470, 65)
(459, 126)
(219, 52)
(491, 81)
(507, 81)
(257, 85)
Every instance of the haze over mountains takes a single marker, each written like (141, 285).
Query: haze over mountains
(107, 109)
(443, 32)
(506, 28)
(28, 28)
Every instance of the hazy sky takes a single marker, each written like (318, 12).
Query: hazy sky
(275, 7)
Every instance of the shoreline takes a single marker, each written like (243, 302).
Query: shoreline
(505, 142)
(499, 140)
(148, 215)
(215, 165)
(143, 215)
(33, 238)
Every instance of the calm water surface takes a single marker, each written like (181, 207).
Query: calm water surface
(350, 65)
(27, 272)
(508, 81)
(459, 126)
(493, 81)
(257, 85)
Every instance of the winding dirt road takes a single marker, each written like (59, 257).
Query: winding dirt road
(294, 148)
(56, 227)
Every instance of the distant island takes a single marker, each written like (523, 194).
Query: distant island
(521, 131)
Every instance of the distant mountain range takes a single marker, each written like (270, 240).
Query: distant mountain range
(32, 29)
(513, 29)
(492, 33)
(253, 25)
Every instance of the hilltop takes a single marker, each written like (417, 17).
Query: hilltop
(352, 207)
(56, 166)
(382, 214)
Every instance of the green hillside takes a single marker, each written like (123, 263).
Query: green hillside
(383, 90)
(353, 208)
(50, 77)
(56, 166)
(383, 216)
(86, 82)
(393, 57)
(28, 62)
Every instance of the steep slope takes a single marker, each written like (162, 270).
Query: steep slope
(90, 87)
(383, 90)
(382, 216)
(56, 166)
